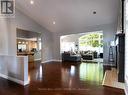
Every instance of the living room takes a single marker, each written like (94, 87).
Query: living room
(55, 20)
(89, 46)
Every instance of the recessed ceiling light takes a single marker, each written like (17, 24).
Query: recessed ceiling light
(94, 12)
(26, 42)
(54, 22)
(32, 2)
(19, 42)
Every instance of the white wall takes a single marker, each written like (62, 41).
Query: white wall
(7, 36)
(109, 31)
(12, 48)
(126, 59)
(26, 23)
(14, 68)
(3, 36)
(47, 46)
(126, 52)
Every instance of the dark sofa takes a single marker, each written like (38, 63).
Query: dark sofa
(69, 57)
(87, 56)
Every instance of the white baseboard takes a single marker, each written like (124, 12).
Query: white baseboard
(15, 80)
(126, 88)
(37, 59)
(47, 61)
(51, 61)
(126, 93)
(57, 60)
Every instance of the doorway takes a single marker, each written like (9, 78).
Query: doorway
(29, 44)
(88, 45)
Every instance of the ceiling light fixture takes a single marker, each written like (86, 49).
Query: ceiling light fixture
(19, 42)
(31, 2)
(54, 22)
(94, 12)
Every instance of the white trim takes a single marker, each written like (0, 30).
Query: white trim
(51, 61)
(125, 89)
(104, 79)
(15, 80)
(57, 60)
(37, 59)
(126, 93)
(47, 61)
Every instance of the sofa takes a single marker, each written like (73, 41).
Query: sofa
(70, 57)
(87, 56)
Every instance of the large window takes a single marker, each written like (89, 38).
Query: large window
(91, 41)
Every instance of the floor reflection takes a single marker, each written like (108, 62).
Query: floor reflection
(63, 79)
(36, 73)
(72, 70)
(68, 74)
(78, 75)
(39, 74)
(92, 72)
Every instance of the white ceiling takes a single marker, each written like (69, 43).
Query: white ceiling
(70, 14)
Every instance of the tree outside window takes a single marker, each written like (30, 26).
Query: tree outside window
(93, 40)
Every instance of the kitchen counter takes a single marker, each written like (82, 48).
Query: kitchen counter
(29, 54)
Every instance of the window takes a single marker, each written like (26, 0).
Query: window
(22, 47)
(91, 41)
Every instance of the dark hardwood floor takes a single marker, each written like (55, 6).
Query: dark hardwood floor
(62, 79)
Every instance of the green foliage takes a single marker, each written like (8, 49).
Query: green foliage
(94, 40)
